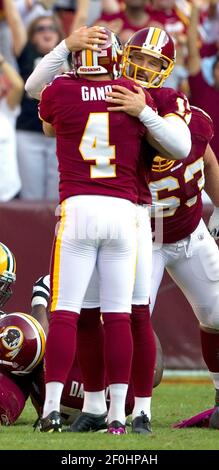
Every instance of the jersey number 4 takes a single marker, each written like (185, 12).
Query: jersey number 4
(95, 145)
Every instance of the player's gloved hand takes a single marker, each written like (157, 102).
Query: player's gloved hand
(41, 292)
(213, 224)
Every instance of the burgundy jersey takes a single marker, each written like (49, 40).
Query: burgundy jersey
(170, 101)
(176, 185)
(97, 150)
(167, 101)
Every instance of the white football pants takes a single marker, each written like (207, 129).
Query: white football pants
(193, 263)
(143, 270)
(94, 231)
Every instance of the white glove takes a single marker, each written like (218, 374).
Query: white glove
(213, 224)
(41, 292)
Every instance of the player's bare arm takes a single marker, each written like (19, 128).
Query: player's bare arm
(48, 129)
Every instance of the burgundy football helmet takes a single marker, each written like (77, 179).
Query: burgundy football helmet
(154, 42)
(22, 343)
(108, 60)
(7, 273)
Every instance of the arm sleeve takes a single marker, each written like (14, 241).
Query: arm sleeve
(41, 292)
(46, 70)
(171, 132)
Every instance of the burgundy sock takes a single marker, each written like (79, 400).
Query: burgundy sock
(118, 347)
(144, 351)
(60, 345)
(90, 349)
(210, 350)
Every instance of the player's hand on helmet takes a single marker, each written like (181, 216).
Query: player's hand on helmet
(131, 102)
(86, 38)
(213, 224)
(41, 292)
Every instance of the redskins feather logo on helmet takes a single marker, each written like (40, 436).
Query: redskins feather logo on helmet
(154, 42)
(108, 60)
(22, 343)
(7, 273)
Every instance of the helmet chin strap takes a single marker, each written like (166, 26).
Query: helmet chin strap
(157, 80)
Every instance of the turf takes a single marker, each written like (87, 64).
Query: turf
(173, 400)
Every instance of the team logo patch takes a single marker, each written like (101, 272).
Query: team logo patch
(161, 164)
(12, 337)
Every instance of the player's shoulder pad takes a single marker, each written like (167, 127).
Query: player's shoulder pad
(201, 113)
(201, 123)
(165, 97)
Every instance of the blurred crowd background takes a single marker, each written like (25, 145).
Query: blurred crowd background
(29, 29)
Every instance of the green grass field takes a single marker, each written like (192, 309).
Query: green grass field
(173, 400)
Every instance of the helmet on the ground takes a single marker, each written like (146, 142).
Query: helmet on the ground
(22, 343)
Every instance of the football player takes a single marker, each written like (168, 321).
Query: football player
(182, 205)
(97, 197)
(172, 134)
(140, 324)
(177, 146)
(87, 63)
(22, 346)
(148, 60)
(189, 253)
(73, 392)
